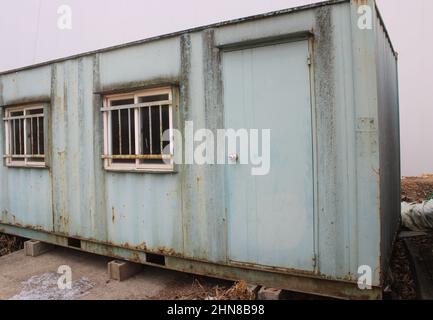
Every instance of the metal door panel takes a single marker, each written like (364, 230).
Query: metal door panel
(270, 217)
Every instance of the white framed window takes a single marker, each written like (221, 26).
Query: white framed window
(138, 130)
(25, 136)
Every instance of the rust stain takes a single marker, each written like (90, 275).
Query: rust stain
(142, 246)
(4, 215)
(26, 226)
(64, 221)
(166, 251)
(360, 2)
(135, 257)
(113, 215)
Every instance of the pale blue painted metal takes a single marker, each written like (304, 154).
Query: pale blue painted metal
(31, 211)
(271, 217)
(158, 60)
(34, 84)
(389, 135)
(347, 190)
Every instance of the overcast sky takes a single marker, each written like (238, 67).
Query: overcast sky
(29, 34)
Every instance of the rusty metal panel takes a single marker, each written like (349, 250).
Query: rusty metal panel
(135, 210)
(25, 194)
(77, 211)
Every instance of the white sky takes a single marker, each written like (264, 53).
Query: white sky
(29, 34)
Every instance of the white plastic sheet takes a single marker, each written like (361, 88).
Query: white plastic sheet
(417, 216)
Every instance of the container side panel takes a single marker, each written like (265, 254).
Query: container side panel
(25, 194)
(192, 109)
(389, 140)
(132, 210)
(73, 151)
(59, 146)
(344, 226)
(143, 211)
(202, 204)
(367, 144)
(156, 61)
(185, 212)
(265, 28)
(335, 143)
(26, 198)
(26, 86)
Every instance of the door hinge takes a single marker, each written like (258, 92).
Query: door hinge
(309, 60)
(314, 260)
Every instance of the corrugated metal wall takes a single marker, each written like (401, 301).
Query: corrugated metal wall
(389, 137)
(184, 213)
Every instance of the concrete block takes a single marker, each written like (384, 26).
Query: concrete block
(122, 270)
(269, 294)
(34, 248)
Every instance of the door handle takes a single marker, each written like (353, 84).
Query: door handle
(233, 157)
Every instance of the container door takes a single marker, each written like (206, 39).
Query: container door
(270, 216)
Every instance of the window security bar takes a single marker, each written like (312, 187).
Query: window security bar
(136, 105)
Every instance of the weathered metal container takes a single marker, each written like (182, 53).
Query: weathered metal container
(317, 76)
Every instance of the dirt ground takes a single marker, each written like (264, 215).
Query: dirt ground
(402, 280)
(417, 189)
(36, 278)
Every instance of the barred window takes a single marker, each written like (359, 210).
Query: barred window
(25, 136)
(138, 130)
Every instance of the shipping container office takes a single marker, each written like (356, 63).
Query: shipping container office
(326, 89)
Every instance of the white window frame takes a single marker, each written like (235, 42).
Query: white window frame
(137, 166)
(8, 119)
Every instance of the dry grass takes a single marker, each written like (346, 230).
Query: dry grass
(239, 291)
(9, 244)
(209, 291)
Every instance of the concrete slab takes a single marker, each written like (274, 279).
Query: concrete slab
(23, 277)
(121, 270)
(34, 248)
